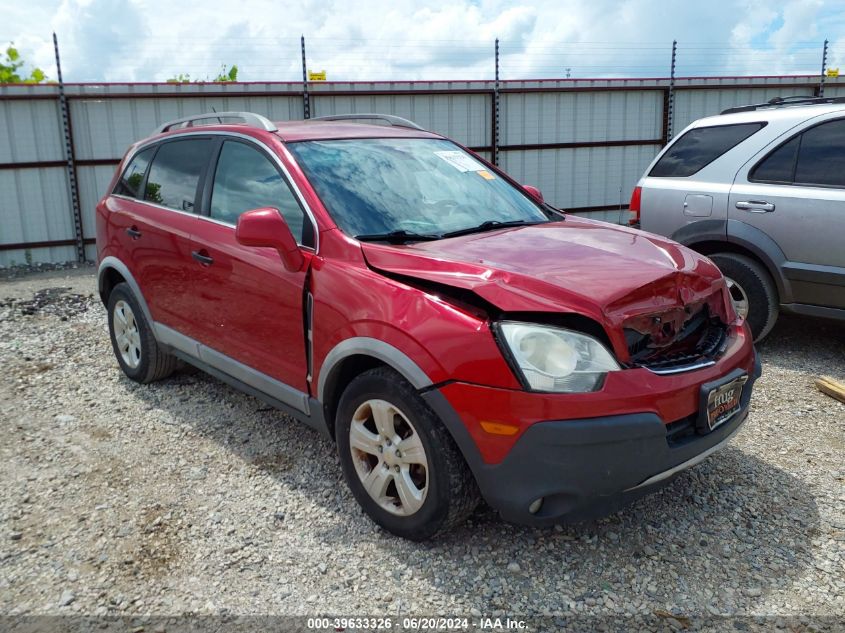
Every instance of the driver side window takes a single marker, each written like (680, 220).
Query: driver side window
(246, 179)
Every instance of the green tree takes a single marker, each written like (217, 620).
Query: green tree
(225, 75)
(10, 69)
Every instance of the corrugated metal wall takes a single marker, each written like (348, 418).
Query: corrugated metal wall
(584, 143)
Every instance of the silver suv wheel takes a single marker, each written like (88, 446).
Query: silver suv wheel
(389, 457)
(739, 296)
(126, 334)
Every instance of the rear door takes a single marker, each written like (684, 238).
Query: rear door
(794, 192)
(251, 307)
(157, 200)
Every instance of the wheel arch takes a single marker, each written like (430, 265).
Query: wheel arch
(111, 272)
(353, 356)
(717, 236)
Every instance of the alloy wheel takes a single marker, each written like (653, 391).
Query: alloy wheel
(126, 334)
(739, 297)
(389, 457)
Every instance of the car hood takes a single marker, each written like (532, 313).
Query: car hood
(612, 274)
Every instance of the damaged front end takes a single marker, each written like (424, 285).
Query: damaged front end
(676, 340)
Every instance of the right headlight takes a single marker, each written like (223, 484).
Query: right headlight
(557, 360)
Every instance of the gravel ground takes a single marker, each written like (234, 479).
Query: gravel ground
(188, 497)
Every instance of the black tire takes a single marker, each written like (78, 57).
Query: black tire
(452, 493)
(154, 363)
(758, 287)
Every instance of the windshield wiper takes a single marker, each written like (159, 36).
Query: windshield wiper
(397, 237)
(489, 225)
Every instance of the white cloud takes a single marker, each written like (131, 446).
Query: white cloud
(142, 40)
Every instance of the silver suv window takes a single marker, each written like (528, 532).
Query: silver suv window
(701, 146)
(814, 157)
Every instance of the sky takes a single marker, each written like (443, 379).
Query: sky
(365, 40)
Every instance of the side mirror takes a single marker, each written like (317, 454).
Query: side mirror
(535, 193)
(267, 227)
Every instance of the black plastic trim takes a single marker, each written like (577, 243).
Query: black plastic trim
(316, 420)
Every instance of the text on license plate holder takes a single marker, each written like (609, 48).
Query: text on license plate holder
(721, 400)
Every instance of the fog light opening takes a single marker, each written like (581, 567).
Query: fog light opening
(535, 506)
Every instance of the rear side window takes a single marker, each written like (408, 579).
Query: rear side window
(130, 182)
(779, 166)
(175, 173)
(245, 179)
(815, 157)
(701, 146)
(821, 155)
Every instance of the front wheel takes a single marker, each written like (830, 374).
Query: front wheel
(399, 460)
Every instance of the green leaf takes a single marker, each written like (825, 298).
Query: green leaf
(9, 69)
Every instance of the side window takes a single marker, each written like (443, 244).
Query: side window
(130, 182)
(175, 173)
(779, 166)
(821, 155)
(245, 179)
(815, 157)
(701, 146)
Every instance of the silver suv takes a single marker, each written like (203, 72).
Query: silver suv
(759, 189)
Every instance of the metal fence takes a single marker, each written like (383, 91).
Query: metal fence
(583, 142)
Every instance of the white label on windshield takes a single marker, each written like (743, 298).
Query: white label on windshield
(460, 161)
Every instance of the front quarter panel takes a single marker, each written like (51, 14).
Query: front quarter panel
(446, 342)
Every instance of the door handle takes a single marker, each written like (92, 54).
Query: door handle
(756, 206)
(202, 257)
(133, 232)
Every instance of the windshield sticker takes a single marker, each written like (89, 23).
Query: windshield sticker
(460, 161)
(486, 175)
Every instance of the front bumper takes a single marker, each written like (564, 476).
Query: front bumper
(586, 468)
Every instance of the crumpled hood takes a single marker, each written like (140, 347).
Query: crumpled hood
(606, 272)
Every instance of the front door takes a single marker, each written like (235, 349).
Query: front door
(251, 308)
(796, 196)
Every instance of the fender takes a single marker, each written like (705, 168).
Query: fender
(399, 361)
(120, 267)
(701, 231)
(767, 250)
(367, 346)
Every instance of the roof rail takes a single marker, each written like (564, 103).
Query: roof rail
(250, 118)
(778, 102)
(395, 121)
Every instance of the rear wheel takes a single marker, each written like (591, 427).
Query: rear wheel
(134, 344)
(753, 292)
(399, 460)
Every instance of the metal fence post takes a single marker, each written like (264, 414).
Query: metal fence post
(306, 101)
(71, 159)
(824, 69)
(495, 139)
(670, 102)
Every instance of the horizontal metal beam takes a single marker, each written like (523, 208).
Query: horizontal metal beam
(599, 207)
(46, 164)
(96, 162)
(44, 244)
(579, 144)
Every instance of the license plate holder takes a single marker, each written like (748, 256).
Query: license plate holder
(721, 400)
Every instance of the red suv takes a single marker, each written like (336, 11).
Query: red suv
(456, 336)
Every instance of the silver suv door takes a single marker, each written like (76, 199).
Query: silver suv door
(794, 192)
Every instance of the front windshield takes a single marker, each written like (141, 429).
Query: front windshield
(425, 187)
